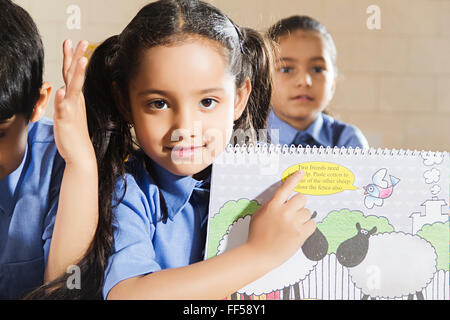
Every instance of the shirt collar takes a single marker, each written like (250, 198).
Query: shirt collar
(317, 132)
(9, 184)
(176, 190)
(288, 134)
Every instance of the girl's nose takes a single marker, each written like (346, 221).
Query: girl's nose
(185, 125)
(303, 79)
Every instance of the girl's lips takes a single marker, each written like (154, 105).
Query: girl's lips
(302, 98)
(184, 152)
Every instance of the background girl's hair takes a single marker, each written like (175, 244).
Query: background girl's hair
(258, 67)
(113, 64)
(305, 23)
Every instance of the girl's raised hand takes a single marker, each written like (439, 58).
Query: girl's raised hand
(281, 226)
(77, 215)
(70, 123)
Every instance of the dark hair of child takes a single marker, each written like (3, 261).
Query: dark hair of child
(21, 61)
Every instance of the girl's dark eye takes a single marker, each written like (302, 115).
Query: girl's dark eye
(318, 69)
(286, 70)
(208, 103)
(158, 104)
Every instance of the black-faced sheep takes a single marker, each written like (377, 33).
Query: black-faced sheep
(388, 265)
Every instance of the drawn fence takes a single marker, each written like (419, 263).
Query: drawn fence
(331, 281)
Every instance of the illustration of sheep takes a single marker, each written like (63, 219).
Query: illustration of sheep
(290, 272)
(388, 265)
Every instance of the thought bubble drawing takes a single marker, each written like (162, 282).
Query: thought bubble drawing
(430, 159)
(435, 189)
(432, 176)
(322, 178)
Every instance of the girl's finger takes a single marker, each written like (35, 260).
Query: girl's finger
(284, 191)
(308, 228)
(59, 103)
(67, 58)
(79, 53)
(296, 203)
(76, 84)
(304, 215)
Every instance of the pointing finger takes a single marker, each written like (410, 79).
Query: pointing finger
(283, 192)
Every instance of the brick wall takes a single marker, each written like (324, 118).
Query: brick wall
(394, 83)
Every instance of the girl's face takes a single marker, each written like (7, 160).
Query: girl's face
(304, 80)
(183, 102)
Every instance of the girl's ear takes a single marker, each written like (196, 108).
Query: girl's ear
(242, 95)
(121, 105)
(41, 104)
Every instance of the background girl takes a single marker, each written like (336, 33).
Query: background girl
(304, 84)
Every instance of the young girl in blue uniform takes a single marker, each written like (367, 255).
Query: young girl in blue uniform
(48, 174)
(182, 75)
(304, 84)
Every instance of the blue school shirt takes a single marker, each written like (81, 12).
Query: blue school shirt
(143, 243)
(28, 204)
(325, 131)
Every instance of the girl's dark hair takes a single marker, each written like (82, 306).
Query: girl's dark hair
(294, 23)
(21, 61)
(111, 67)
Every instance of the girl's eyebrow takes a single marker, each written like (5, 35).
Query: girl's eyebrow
(211, 90)
(165, 93)
(152, 91)
(319, 58)
(287, 59)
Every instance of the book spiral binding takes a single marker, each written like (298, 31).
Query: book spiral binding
(265, 148)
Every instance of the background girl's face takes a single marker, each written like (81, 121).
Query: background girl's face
(304, 79)
(183, 103)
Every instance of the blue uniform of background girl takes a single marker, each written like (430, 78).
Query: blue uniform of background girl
(325, 131)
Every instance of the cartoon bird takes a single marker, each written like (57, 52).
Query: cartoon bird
(380, 189)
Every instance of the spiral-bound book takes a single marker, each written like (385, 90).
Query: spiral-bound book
(382, 220)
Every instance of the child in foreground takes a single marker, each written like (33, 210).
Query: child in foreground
(183, 76)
